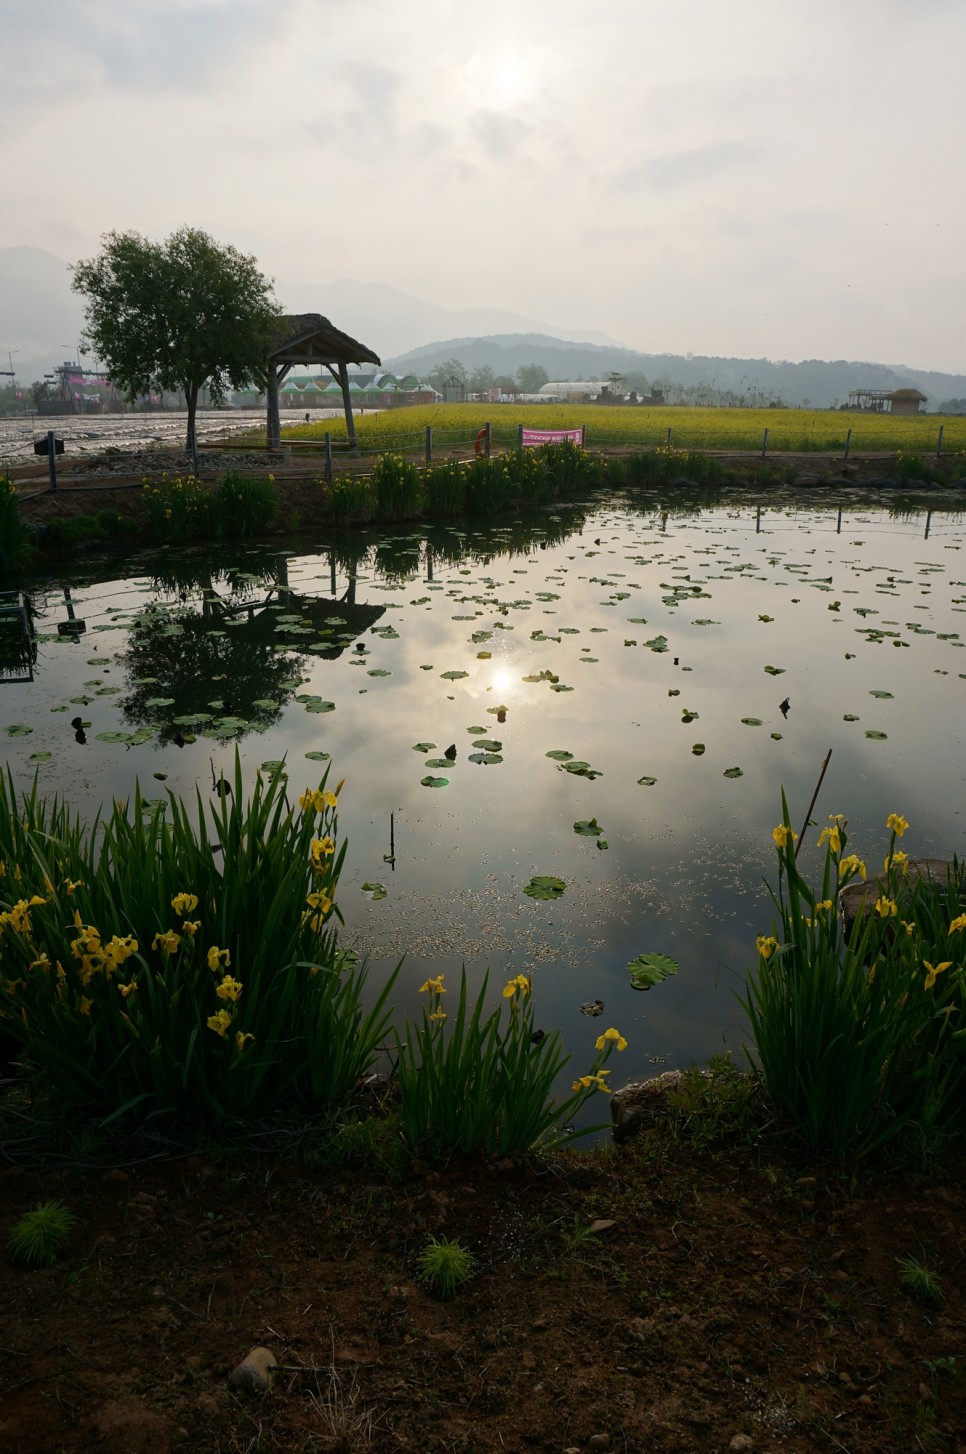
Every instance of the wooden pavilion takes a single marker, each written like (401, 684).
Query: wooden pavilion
(308, 338)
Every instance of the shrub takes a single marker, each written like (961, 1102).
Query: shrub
(857, 1038)
(444, 487)
(398, 488)
(149, 968)
(243, 505)
(479, 1086)
(37, 1237)
(444, 1266)
(352, 500)
(14, 537)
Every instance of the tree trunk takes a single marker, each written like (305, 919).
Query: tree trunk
(191, 443)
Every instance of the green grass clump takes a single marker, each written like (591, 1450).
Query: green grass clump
(15, 542)
(920, 1280)
(39, 1235)
(444, 1266)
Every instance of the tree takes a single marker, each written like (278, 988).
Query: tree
(450, 368)
(481, 380)
(177, 315)
(532, 377)
(505, 384)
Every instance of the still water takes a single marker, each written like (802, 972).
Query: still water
(618, 632)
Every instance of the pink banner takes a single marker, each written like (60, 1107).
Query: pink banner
(531, 437)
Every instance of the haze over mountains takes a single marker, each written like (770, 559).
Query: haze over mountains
(41, 321)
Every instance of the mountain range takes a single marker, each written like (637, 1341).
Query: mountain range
(41, 321)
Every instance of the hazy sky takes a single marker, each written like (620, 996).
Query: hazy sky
(761, 177)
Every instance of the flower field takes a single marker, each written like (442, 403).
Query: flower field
(789, 430)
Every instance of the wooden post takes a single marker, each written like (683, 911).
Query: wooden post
(848, 442)
(758, 521)
(328, 458)
(764, 443)
(520, 436)
(52, 457)
(273, 423)
(668, 444)
(489, 439)
(838, 523)
(347, 404)
(928, 523)
(939, 441)
(429, 444)
(332, 570)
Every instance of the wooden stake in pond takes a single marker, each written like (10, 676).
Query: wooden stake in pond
(808, 815)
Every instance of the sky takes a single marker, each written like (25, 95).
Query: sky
(764, 178)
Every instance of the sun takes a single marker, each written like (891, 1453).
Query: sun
(502, 80)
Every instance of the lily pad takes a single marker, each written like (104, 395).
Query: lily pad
(112, 737)
(453, 676)
(698, 749)
(687, 716)
(751, 721)
(647, 782)
(375, 891)
(559, 754)
(379, 671)
(775, 671)
(438, 762)
(648, 970)
(588, 828)
(581, 769)
(877, 736)
(850, 717)
(732, 772)
(434, 782)
(657, 643)
(423, 746)
(886, 695)
(489, 744)
(39, 756)
(318, 756)
(19, 730)
(592, 1008)
(545, 887)
(485, 759)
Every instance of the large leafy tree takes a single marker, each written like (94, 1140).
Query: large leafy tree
(179, 314)
(532, 377)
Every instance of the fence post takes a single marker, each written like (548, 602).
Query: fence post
(939, 441)
(52, 457)
(848, 442)
(520, 436)
(764, 443)
(489, 439)
(429, 444)
(328, 457)
(668, 444)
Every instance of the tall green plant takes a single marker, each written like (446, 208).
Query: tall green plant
(14, 539)
(182, 960)
(398, 487)
(858, 1037)
(481, 1086)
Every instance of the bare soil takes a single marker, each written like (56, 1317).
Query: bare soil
(734, 1295)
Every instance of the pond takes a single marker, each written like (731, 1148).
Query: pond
(494, 698)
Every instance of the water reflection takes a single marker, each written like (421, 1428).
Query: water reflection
(622, 634)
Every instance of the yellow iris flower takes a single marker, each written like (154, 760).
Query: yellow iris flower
(184, 903)
(433, 986)
(219, 1022)
(610, 1035)
(766, 944)
(897, 823)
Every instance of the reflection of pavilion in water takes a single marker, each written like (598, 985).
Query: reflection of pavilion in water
(18, 645)
(228, 663)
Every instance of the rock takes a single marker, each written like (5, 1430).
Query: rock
(635, 1104)
(599, 1441)
(254, 1373)
(741, 1441)
(859, 897)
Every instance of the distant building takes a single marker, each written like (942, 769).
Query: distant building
(887, 401)
(373, 390)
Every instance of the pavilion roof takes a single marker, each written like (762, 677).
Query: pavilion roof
(309, 338)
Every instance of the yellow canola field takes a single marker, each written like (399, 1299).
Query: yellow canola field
(617, 427)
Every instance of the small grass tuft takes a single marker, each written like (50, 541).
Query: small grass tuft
(444, 1266)
(920, 1280)
(38, 1236)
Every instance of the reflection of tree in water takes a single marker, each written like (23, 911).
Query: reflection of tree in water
(234, 661)
(197, 658)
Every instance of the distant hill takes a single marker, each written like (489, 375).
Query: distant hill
(819, 383)
(41, 321)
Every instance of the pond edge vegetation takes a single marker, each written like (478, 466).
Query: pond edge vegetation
(177, 967)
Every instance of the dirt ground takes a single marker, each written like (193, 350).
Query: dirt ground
(701, 1288)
